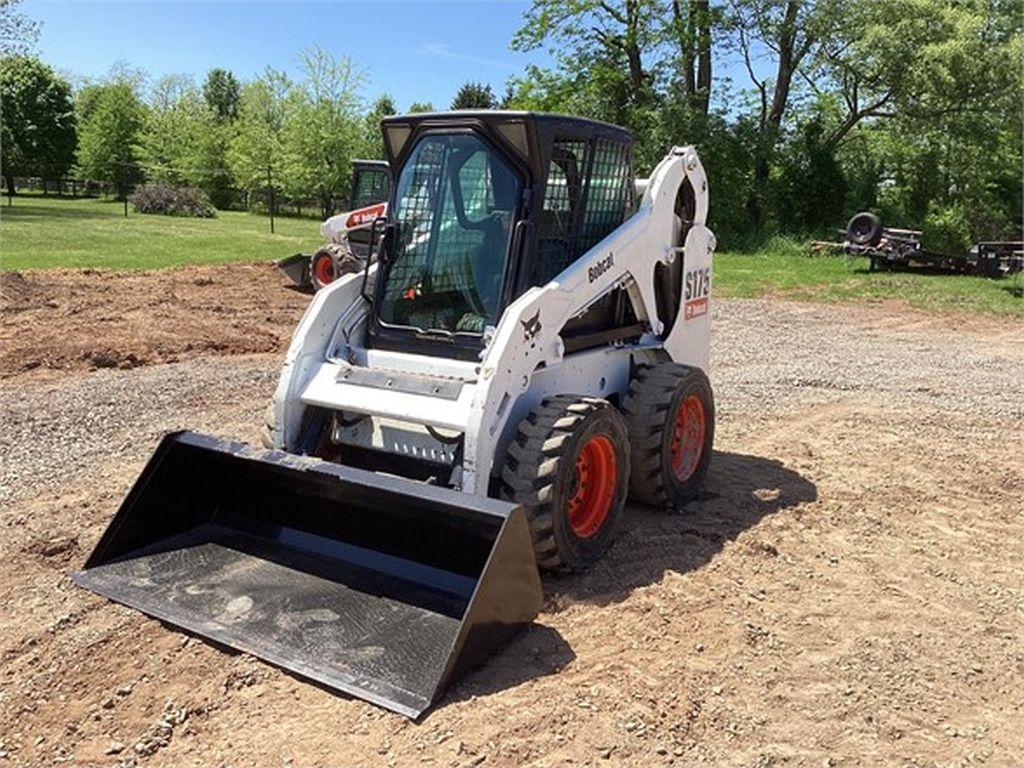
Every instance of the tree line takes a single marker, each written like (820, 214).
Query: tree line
(911, 108)
(223, 137)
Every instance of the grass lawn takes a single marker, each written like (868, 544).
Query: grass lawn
(40, 232)
(787, 269)
(44, 233)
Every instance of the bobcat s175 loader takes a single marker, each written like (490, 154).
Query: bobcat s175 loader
(529, 350)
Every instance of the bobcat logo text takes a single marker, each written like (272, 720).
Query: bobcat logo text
(600, 266)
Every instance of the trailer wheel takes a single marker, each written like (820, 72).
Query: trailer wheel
(569, 467)
(864, 229)
(670, 412)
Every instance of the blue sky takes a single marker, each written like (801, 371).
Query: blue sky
(416, 51)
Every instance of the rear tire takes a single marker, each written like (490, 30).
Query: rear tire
(670, 412)
(569, 467)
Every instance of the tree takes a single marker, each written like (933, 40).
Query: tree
(86, 99)
(169, 91)
(421, 106)
(222, 92)
(808, 186)
(788, 30)
(109, 134)
(690, 26)
(18, 33)
(185, 141)
(613, 33)
(37, 124)
(256, 145)
(508, 98)
(323, 128)
(904, 91)
(373, 141)
(923, 61)
(474, 96)
(912, 108)
(612, 58)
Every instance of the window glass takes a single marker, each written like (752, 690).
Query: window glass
(371, 186)
(454, 206)
(610, 195)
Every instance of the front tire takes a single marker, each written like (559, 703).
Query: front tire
(670, 411)
(329, 263)
(569, 467)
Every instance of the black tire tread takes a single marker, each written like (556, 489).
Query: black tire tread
(646, 407)
(344, 261)
(532, 466)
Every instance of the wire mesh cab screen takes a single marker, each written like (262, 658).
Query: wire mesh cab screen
(455, 202)
(589, 192)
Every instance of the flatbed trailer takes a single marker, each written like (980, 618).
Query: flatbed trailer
(893, 248)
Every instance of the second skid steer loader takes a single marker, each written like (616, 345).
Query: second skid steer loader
(529, 350)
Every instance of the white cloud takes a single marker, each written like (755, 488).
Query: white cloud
(442, 51)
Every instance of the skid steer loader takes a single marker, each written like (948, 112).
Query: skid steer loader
(347, 233)
(529, 349)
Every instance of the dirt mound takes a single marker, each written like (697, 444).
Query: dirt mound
(87, 319)
(17, 292)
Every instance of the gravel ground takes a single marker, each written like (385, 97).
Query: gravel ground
(848, 593)
(89, 424)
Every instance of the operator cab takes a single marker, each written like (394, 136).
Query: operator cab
(484, 206)
(371, 184)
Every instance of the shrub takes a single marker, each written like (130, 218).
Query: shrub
(172, 201)
(946, 230)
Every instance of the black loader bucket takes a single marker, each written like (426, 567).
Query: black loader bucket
(377, 586)
(296, 267)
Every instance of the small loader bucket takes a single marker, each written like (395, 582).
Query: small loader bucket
(296, 267)
(377, 586)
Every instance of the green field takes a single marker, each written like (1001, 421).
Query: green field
(39, 233)
(45, 233)
(788, 269)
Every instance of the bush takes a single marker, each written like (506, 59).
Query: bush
(946, 230)
(172, 201)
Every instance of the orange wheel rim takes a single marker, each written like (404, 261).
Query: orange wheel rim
(324, 270)
(595, 479)
(688, 438)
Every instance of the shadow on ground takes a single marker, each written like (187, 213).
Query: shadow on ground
(1014, 289)
(25, 208)
(739, 492)
(537, 652)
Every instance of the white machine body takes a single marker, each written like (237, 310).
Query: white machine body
(419, 405)
(336, 229)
